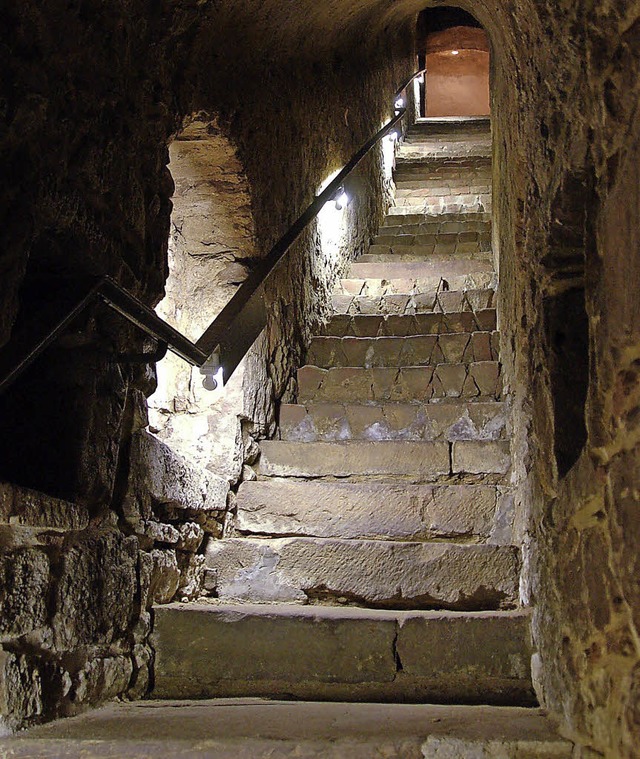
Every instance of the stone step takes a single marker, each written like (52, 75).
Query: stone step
(421, 238)
(392, 219)
(405, 232)
(412, 278)
(415, 254)
(397, 304)
(372, 573)
(434, 323)
(447, 204)
(325, 653)
(406, 384)
(416, 461)
(415, 350)
(250, 728)
(393, 421)
(368, 510)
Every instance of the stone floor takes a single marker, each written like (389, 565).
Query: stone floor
(257, 729)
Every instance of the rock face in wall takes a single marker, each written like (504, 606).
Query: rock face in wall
(101, 519)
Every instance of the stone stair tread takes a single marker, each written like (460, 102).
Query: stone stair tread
(405, 325)
(422, 384)
(367, 510)
(441, 267)
(373, 573)
(403, 351)
(395, 255)
(341, 654)
(416, 461)
(396, 282)
(392, 219)
(398, 304)
(247, 728)
(446, 420)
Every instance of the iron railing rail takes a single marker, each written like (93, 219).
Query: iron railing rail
(230, 335)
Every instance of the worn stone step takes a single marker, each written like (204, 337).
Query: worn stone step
(434, 323)
(406, 278)
(449, 204)
(368, 510)
(393, 421)
(385, 254)
(374, 573)
(416, 461)
(250, 728)
(406, 384)
(398, 304)
(392, 219)
(433, 268)
(341, 654)
(414, 350)
(414, 235)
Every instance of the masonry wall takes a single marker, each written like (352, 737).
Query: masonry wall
(99, 519)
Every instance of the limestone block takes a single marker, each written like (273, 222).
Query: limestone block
(30, 508)
(165, 576)
(95, 598)
(370, 572)
(470, 646)
(161, 476)
(24, 588)
(102, 678)
(192, 570)
(341, 459)
(21, 695)
(322, 647)
(478, 457)
(364, 510)
(161, 533)
(191, 536)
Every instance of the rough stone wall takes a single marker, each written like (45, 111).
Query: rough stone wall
(101, 519)
(566, 142)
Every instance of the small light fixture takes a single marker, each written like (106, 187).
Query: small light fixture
(393, 136)
(341, 198)
(455, 52)
(399, 103)
(420, 78)
(213, 372)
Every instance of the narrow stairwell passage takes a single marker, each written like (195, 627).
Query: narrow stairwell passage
(372, 557)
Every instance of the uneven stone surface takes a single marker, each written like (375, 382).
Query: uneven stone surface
(409, 384)
(253, 728)
(379, 573)
(393, 421)
(340, 654)
(421, 460)
(418, 324)
(365, 510)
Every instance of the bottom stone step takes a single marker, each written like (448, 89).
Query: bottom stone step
(386, 574)
(331, 653)
(249, 728)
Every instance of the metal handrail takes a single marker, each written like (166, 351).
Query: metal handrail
(231, 334)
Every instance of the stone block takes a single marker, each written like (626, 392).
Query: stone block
(281, 507)
(165, 576)
(480, 457)
(21, 696)
(494, 644)
(423, 461)
(30, 508)
(323, 647)
(95, 597)
(24, 590)
(377, 573)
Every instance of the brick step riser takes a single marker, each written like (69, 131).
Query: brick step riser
(419, 350)
(313, 653)
(369, 511)
(461, 577)
(408, 305)
(344, 325)
(422, 384)
(366, 280)
(413, 461)
(448, 422)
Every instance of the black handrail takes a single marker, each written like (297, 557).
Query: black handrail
(245, 313)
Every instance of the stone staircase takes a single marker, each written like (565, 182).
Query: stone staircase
(371, 559)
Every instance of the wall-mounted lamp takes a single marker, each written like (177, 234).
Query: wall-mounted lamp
(455, 52)
(341, 198)
(213, 372)
(393, 136)
(399, 103)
